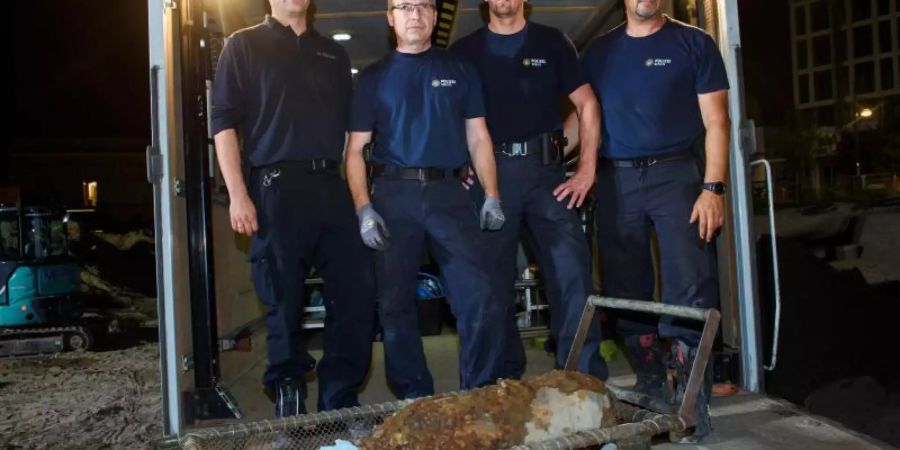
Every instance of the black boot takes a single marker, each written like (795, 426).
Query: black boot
(290, 398)
(646, 354)
(683, 357)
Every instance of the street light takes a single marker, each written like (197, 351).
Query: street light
(865, 113)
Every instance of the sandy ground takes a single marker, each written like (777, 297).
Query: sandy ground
(88, 400)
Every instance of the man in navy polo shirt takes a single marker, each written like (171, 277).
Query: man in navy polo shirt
(525, 68)
(426, 111)
(663, 90)
(285, 89)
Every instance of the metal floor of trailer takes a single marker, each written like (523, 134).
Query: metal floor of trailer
(741, 422)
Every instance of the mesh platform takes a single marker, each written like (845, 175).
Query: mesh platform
(312, 431)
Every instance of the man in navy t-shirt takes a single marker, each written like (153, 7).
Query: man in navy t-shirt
(425, 109)
(526, 68)
(285, 89)
(662, 87)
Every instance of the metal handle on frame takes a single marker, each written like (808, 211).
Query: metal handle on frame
(770, 184)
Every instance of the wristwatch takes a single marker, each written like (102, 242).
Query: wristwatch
(717, 187)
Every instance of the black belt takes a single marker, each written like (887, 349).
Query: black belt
(419, 173)
(646, 161)
(512, 149)
(309, 165)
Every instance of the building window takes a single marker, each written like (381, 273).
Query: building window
(800, 20)
(887, 74)
(823, 86)
(821, 50)
(844, 48)
(90, 192)
(802, 55)
(803, 88)
(865, 78)
(861, 9)
(818, 16)
(843, 81)
(885, 41)
(862, 41)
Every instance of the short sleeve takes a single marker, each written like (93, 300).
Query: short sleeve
(362, 106)
(709, 68)
(228, 106)
(571, 74)
(475, 96)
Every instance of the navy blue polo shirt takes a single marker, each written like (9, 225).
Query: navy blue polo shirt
(648, 88)
(287, 95)
(524, 75)
(417, 106)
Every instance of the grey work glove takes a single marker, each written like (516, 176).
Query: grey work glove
(372, 229)
(492, 217)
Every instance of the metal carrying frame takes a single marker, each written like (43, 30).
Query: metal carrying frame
(640, 422)
(686, 412)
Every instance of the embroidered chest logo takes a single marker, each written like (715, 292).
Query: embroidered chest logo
(534, 62)
(326, 55)
(657, 62)
(442, 83)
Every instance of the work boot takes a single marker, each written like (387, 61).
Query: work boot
(646, 354)
(683, 357)
(290, 397)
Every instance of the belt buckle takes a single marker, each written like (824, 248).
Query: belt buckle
(519, 148)
(644, 162)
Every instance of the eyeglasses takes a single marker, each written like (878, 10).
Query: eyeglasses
(408, 8)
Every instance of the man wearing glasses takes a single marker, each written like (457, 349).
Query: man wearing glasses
(426, 111)
(526, 67)
(286, 89)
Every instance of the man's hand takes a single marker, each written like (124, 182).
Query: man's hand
(578, 187)
(243, 215)
(492, 217)
(709, 210)
(468, 181)
(372, 229)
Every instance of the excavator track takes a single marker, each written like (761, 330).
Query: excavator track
(43, 342)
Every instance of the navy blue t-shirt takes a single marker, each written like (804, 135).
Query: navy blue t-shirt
(648, 88)
(524, 75)
(287, 95)
(417, 106)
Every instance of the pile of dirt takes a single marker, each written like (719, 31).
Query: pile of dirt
(862, 404)
(126, 260)
(84, 400)
(834, 325)
(836, 341)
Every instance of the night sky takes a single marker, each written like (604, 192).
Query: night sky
(81, 67)
(768, 83)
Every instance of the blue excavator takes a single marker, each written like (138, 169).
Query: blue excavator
(40, 306)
